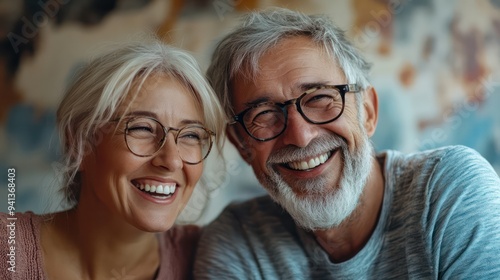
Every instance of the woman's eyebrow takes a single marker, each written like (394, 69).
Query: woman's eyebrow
(188, 122)
(142, 113)
(155, 116)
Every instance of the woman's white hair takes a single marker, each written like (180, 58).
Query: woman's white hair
(239, 52)
(101, 86)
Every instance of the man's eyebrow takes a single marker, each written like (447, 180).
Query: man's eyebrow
(306, 86)
(257, 101)
(301, 87)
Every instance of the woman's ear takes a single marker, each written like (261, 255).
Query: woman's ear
(370, 104)
(239, 142)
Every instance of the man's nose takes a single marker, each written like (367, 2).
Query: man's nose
(298, 132)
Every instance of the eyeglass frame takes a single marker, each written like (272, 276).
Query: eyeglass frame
(343, 89)
(166, 130)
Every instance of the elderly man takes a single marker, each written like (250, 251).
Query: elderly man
(302, 111)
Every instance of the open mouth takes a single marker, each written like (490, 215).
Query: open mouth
(158, 191)
(311, 163)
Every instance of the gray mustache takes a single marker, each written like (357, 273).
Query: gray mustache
(320, 145)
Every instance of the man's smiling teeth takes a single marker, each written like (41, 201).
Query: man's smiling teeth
(159, 189)
(313, 162)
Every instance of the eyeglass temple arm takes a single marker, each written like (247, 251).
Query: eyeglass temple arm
(353, 88)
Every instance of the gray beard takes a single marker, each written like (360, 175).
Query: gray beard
(321, 206)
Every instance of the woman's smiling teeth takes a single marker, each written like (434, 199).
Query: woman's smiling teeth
(309, 164)
(166, 189)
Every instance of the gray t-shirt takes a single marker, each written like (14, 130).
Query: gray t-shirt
(440, 220)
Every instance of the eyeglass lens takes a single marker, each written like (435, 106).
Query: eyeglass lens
(268, 120)
(145, 136)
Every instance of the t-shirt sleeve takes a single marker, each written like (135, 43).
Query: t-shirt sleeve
(223, 251)
(464, 216)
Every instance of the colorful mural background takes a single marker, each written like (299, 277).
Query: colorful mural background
(436, 67)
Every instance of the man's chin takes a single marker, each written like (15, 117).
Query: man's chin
(315, 204)
(327, 200)
(314, 211)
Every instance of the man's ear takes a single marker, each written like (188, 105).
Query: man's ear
(370, 104)
(239, 142)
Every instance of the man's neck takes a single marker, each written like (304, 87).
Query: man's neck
(346, 240)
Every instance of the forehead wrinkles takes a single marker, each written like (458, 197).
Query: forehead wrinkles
(138, 89)
(285, 75)
(249, 65)
(292, 58)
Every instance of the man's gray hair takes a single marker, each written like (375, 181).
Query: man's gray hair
(239, 52)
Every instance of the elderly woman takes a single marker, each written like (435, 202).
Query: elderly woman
(135, 126)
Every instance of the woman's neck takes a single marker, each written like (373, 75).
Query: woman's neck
(91, 243)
